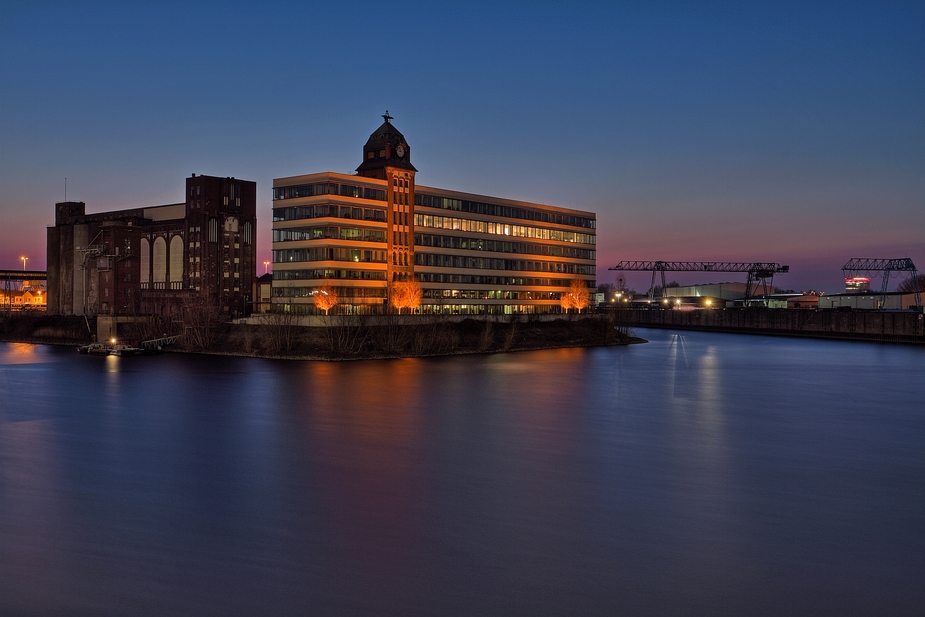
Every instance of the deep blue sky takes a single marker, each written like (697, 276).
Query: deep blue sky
(779, 132)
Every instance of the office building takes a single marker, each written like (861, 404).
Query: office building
(472, 254)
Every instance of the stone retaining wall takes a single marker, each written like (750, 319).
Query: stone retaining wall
(886, 326)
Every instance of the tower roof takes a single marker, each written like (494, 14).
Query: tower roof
(386, 147)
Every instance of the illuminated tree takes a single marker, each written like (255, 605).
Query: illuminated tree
(577, 296)
(405, 293)
(325, 298)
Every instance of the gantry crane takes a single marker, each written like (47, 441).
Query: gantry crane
(860, 265)
(757, 271)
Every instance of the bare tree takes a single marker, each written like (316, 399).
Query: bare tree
(487, 336)
(247, 339)
(511, 333)
(912, 284)
(346, 335)
(389, 335)
(200, 317)
(281, 330)
(434, 337)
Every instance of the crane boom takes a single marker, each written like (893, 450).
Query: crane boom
(757, 271)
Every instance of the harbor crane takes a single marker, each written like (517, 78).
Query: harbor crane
(762, 272)
(860, 265)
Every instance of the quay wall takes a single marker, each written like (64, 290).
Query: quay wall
(883, 326)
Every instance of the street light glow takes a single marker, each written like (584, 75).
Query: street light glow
(24, 260)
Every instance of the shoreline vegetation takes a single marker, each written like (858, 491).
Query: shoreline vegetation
(342, 337)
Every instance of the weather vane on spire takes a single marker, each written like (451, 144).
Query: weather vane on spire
(387, 116)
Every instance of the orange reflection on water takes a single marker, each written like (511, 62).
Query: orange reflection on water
(363, 422)
(19, 353)
(546, 408)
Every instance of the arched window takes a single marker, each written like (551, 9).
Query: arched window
(160, 260)
(176, 262)
(145, 261)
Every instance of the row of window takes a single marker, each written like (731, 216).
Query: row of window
(481, 294)
(488, 309)
(175, 285)
(300, 275)
(503, 229)
(422, 220)
(294, 213)
(501, 246)
(488, 263)
(433, 201)
(474, 207)
(327, 253)
(329, 188)
(428, 309)
(475, 279)
(154, 259)
(329, 231)
(342, 292)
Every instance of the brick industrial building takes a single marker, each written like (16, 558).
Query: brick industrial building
(153, 260)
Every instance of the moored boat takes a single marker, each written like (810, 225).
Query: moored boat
(95, 349)
(126, 350)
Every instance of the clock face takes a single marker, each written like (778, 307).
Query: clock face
(400, 151)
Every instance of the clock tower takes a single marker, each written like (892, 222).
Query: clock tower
(387, 156)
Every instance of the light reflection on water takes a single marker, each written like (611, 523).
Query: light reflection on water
(706, 473)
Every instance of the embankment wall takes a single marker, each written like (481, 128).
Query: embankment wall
(884, 326)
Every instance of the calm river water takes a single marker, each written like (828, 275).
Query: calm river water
(700, 473)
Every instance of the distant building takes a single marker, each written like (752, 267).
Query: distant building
(152, 260)
(471, 254)
(857, 285)
(262, 288)
(774, 301)
(722, 291)
(25, 299)
(868, 301)
(804, 301)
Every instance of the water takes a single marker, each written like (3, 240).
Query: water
(698, 474)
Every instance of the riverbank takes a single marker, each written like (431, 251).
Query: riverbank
(906, 327)
(349, 337)
(42, 329)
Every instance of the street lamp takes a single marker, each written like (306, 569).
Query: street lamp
(266, 267)
(24, 260)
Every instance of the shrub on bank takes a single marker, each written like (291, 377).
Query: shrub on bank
(341, 336)
(389, 336)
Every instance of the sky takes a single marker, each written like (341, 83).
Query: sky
(779, 132)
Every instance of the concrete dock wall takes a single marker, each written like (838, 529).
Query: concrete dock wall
(885, 326)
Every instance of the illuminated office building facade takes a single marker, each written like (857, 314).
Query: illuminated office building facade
(471, 254)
